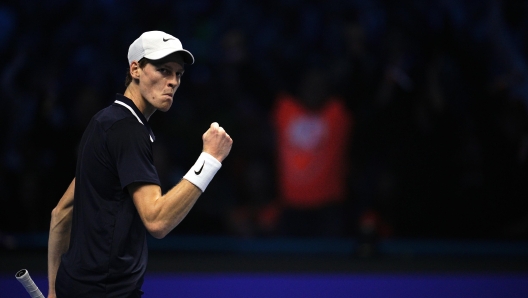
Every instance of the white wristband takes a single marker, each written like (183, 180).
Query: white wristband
(203, 171)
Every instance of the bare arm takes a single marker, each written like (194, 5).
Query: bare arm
(59, 235)
(162, 213)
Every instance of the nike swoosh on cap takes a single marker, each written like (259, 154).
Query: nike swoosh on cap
(167, 39)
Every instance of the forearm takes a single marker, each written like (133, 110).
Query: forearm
(179, 201)
(162, 213)
(58, 243)
(59, 234)
(183, 196)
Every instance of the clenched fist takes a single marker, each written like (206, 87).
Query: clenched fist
(217, 142)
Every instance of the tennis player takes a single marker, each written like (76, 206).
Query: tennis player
(97, 242)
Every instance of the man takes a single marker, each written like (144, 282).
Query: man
(99, 225)
(313, 132)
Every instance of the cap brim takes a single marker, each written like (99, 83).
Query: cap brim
(188, 58)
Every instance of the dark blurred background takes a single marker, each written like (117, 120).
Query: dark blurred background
(435, 95)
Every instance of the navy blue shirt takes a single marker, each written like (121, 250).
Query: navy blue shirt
(108, 248)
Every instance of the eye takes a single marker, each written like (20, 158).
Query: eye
(163, 70)
(179, 74)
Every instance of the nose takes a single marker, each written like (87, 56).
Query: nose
(174, 81)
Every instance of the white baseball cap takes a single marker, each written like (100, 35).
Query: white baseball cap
(155, 45)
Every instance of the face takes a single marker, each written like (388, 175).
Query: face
(158, 83)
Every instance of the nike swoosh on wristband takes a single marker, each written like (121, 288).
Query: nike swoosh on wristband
(167, 39)
(198, 172)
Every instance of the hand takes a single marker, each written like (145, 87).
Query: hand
(217, 142)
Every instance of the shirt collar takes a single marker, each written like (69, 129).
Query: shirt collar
(129, 105)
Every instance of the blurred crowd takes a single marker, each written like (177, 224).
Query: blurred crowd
(436, 93)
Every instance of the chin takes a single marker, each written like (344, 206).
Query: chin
(165, 108)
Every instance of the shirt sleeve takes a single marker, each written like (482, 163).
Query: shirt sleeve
(130, 146)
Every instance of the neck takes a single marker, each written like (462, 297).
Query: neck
(132, 92)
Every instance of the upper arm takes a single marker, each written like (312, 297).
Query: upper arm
(66, 201)
(162, 213)
(64, 209)
(145, 196)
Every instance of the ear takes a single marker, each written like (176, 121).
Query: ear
(134, 70)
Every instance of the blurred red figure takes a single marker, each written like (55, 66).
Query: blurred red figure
(313, 132)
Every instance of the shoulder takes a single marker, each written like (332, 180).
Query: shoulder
(127, 127)
(114, 115)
